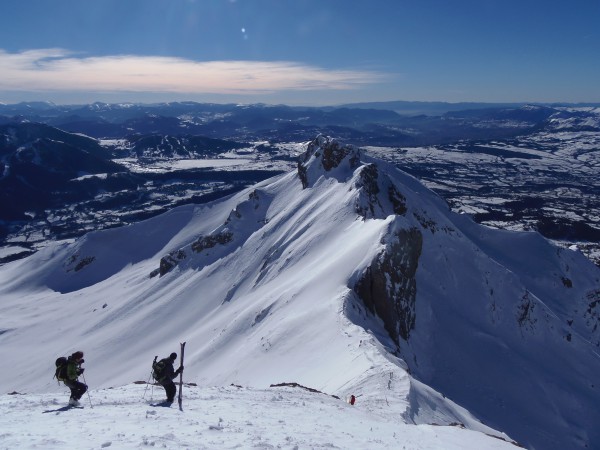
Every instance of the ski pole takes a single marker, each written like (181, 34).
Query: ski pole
(88, 391)
(149, 376)
(147, 383)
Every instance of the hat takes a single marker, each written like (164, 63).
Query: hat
(173, 356)
(77, 355)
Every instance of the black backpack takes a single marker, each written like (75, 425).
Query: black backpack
(158, 369)
(61, 368)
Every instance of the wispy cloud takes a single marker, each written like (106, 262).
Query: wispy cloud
(61, 70)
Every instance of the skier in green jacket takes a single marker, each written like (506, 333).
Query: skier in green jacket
(74, 369)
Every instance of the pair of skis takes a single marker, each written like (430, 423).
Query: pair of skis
(179, 400)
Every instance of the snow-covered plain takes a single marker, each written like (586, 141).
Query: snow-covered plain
(231, 164)
(543, 177)
(247, 158)
(261, 288)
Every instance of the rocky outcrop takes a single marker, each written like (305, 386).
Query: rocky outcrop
(591, 314)
(170, 261)
(206, 242)
(378, 197)
(242, 221)
(325, 154)
(77, 262)
(388, 287)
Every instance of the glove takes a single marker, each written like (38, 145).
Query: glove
(80, 371)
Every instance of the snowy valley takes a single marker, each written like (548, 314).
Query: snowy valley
(345, 275)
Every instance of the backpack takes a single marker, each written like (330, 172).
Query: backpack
(158, 370)
(61, 368)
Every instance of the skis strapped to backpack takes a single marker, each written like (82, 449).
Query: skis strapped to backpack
(181, 376)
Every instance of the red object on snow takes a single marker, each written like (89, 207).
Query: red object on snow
(352, 399)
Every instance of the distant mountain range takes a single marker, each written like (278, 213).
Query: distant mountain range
(363, 124)
(440, 108)
(65, 170)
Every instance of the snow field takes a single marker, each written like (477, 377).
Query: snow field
(217, 418)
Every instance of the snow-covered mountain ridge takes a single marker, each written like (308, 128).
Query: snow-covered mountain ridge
(344, 276)
(516, 168)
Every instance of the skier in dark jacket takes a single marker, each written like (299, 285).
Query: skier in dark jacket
(74, 369)
(168, 373)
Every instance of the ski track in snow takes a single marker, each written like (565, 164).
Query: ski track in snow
(217, 418)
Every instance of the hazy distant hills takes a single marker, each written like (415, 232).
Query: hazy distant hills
(430, 108)
(392, 123)
(56, 184)
(440, 108)
(67, 169)
(37, 161)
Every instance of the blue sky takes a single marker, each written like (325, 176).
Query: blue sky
(299, 51)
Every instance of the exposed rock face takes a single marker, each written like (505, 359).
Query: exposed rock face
(76, 262)
(168, 262)
(325, 154)
(206, 242)
(591, 314)
(388, 286)
(334, 154)
(247, 216)
(372, 203)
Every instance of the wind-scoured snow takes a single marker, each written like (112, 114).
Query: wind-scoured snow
(218, 418)
(262, 287)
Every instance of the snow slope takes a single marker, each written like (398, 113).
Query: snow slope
(218, 418)
(262, 286)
